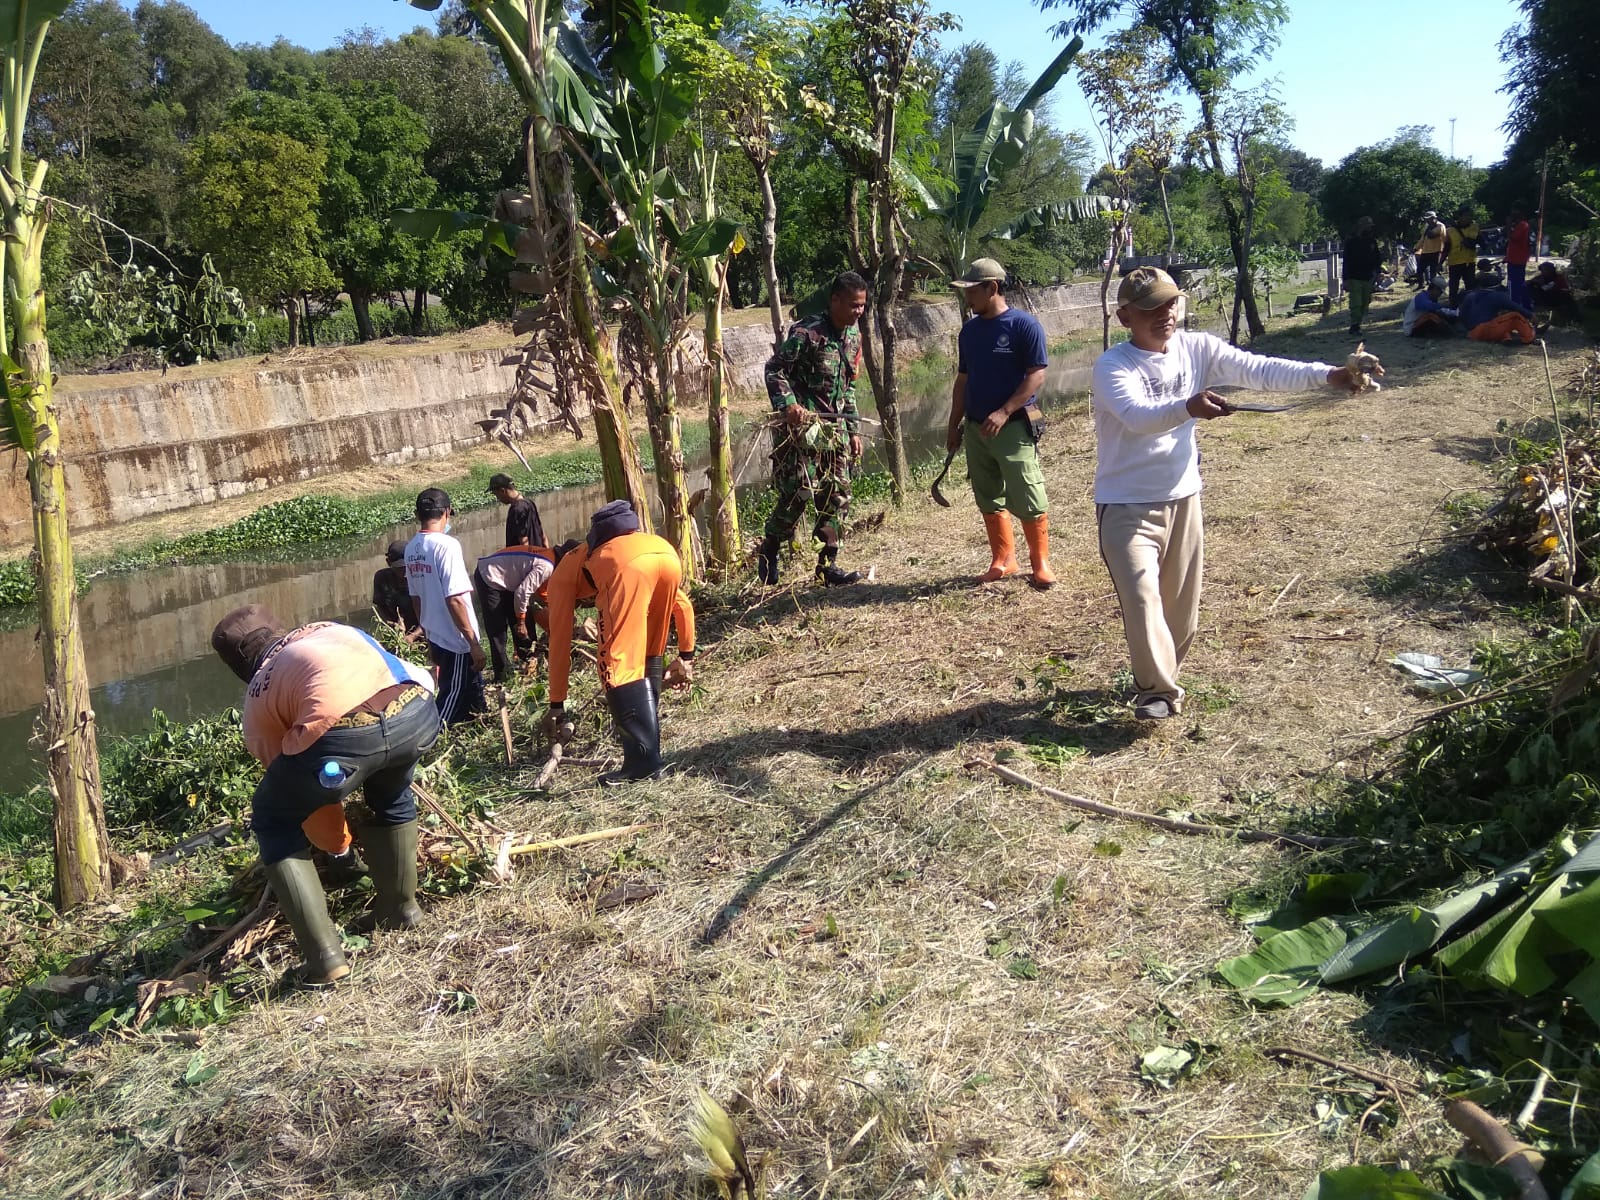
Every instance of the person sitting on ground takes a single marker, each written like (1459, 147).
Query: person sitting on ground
(509, 582)
(1425, 316)
(1491, 315)
(390, 597)
(1551, 290)
(1487, 275)
(327, 710)
(523, 527)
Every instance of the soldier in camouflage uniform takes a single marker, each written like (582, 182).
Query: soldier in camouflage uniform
(811, 383)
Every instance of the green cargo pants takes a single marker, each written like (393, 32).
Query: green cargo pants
(1004, 470)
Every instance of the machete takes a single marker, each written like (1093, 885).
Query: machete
(938, 496)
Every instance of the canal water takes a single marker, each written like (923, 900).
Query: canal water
(147, 634)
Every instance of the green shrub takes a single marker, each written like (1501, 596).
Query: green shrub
(177, 777)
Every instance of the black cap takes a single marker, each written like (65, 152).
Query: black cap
(396, 551)
(500, 481)
(432, 503)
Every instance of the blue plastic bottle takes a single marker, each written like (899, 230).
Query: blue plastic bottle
(332, 775)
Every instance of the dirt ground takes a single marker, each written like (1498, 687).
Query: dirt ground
(902, 975)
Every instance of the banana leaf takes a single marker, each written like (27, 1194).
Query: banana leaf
(16, 25)
(1283, 969)
(438, 224)
(1404, 937)
(1370, 1183)
(1048, 216)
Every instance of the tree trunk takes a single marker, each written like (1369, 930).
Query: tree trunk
(891, 271)
(769, 250)
(619, 456)
(1166, 209)
(1105, 304)
(722, 508)
(1230, 215)
(360, 305)
(310, 326)
(666, 438)
(291, 311)
(82, 850)
(419, 308)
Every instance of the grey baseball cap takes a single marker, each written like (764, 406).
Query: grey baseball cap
(982, 270)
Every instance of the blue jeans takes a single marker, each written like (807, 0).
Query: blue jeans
(379, 758)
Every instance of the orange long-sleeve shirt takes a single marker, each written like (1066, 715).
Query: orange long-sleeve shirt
(634, 582)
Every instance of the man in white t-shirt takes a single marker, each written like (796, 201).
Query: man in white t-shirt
(1146, 396)
(436, 576)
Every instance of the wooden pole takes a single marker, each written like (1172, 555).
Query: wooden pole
(1544, 174)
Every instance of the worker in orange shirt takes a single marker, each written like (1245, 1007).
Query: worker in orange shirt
(633, 578)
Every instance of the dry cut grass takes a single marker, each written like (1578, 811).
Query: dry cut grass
(903, 977)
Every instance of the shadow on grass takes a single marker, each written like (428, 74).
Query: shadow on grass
(729, 759)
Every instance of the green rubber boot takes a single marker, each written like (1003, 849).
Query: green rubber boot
(392, 858)
(305, 906)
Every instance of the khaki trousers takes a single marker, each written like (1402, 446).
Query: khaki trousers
(1156, 555)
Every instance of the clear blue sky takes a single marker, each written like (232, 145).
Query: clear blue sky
(1350, 71)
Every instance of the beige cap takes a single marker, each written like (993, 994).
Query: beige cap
(1147, 288)
(982, 270)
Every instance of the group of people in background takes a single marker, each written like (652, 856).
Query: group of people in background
(1460, 291)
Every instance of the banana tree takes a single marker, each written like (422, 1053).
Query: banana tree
(28, 422)
(650, 257)
(569, 355)
(979, 161)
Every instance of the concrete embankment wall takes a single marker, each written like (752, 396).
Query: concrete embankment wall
(134, 449)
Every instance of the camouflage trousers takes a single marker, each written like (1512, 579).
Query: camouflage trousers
(816, 473)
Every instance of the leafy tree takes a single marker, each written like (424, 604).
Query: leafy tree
(1553, 76)
(1394, 183)
(881, 42)
(252, 205)
(181, 320)
(1209, 44)
(373, 146)
(28, 423)
(193, 76)
(569, 353)
(1124, 84)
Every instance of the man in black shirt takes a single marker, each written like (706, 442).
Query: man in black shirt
(523, 527)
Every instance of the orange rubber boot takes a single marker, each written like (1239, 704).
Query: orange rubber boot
(1002, 549)
(1037, 531)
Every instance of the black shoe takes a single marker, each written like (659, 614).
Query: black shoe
(1157, 708)
(767, 563)
(1355, 329)
(633, 710)
(829, 575)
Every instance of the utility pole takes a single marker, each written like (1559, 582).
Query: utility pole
(1452, 138)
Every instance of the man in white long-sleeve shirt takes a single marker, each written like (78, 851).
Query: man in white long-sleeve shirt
(1146, 397)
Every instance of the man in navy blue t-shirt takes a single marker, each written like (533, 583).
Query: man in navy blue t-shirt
(994, 410)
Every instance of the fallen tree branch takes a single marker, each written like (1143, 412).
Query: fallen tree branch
(1173, 824)
(249, 921)
(548, 772)
(505, 729)
(1565, 589)
(1498, 1146)
(1372, 1077)
(579, 839)
(435, 807)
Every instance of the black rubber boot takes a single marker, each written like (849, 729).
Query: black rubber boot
(633, 708)
(340, 871)
(305, 906)
(767, 562)
(829, 575)
(655, 670)
(393, 851)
